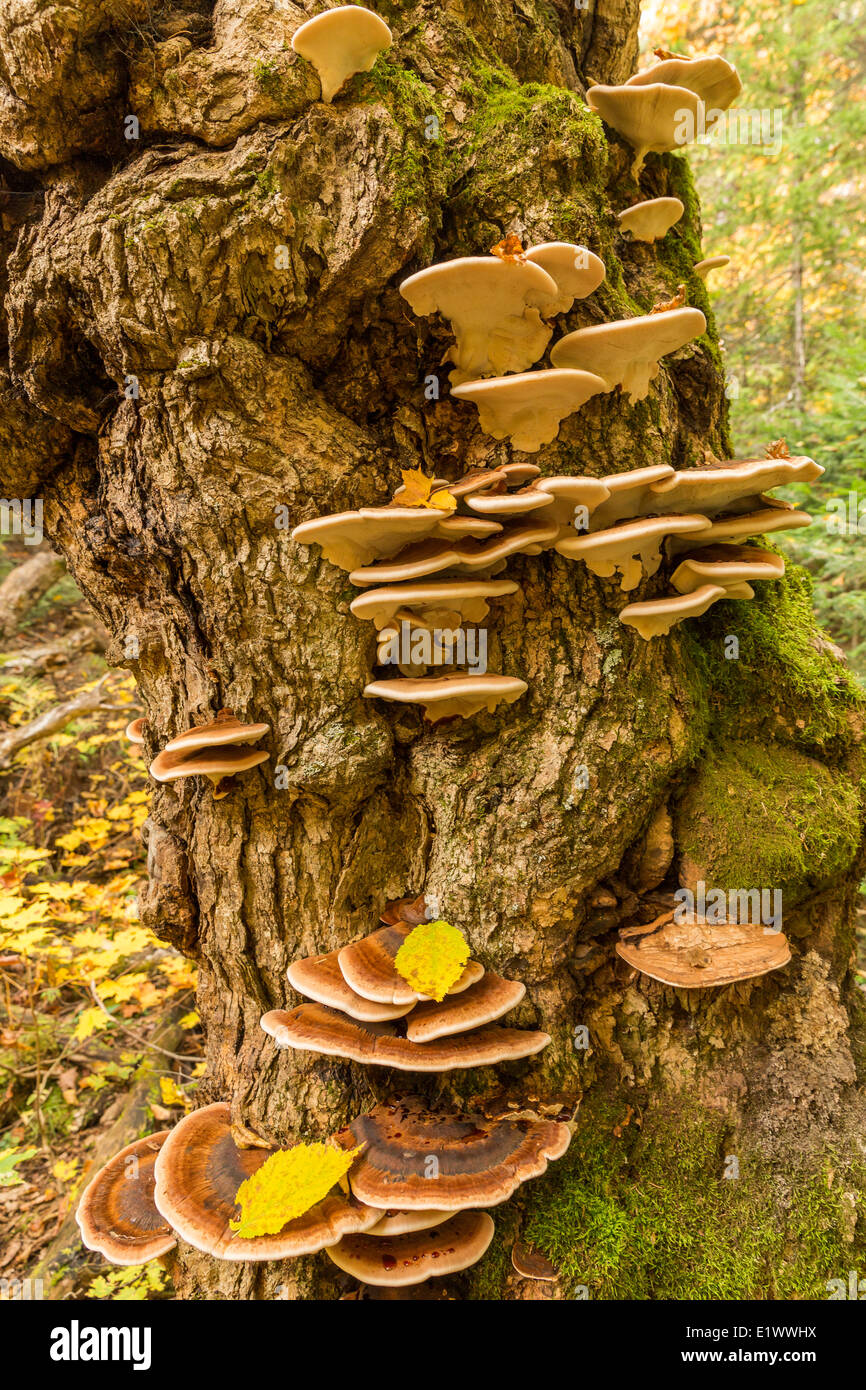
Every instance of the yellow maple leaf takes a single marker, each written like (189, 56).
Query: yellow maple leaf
(90, 1021)
(65, 1169)
(416, 487)
(287, 1185)
(432, 958)
(443, 501)
(171, 1093)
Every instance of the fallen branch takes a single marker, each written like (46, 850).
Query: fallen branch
(53, 720)
(58, 653)
(26, 585)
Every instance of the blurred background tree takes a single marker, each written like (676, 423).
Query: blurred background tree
(791, 214)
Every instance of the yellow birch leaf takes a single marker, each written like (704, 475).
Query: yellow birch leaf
(288, 1184)
(432, 958)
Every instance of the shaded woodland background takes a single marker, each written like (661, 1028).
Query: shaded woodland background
(98, 1031)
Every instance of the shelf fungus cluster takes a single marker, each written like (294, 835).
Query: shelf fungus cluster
(669, 105)
(700, 954)
(365, 1010)
(219, 751)
(427, 574)
(341, 42)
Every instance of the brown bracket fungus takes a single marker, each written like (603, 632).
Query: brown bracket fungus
(577, 272)
(445, 697)
(531, 1264)
(341, 42)
(465, 599)
(198, 1173)
(212, 750)
(732, 566)
(529, 408)
(627, 352)
(699, 955)
(493, 308)
(135, 731)
(651, 220)
(703, 268)
(653, 119)
(321, 979)
(368, 967)
(117, 1214)
(484, 1002)
(434, 557)
(398, 1223)
(458, 1242)
(315, 1028)
(633, 548)
(713, 79)
(480, 1162)
(657, 616)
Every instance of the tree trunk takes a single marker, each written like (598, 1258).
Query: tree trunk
(204, 329)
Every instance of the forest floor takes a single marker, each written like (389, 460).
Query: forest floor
(99, 1038)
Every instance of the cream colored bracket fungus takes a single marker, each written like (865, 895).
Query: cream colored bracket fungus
(657, 616)
(632, 549)
(651, 220)
(447, 697)
(716, 489)
(571, 501)
(340, 43)
(576, 270)
(212, 750)
(713, 79)
(627, 352)
(528, 409)
(352, 539)
(732, 566)
(471, 556)
(493, 307)
(653, 119)
(703, 268)
(627, 495)
(467, 600)
(743, 525)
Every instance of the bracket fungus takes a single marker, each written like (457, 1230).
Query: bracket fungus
(480, 1162)
(198, 1173)
(321, 979)
(633, 548)
(341, 42)
(703, 268)
(433, 557)
(484, 1002)
(214, 750)
(398, 1223)
(652, 219)
(135, 731)
(627, 352)
(529, 408)
(657, 616)
(315, 1028)
(717, 488)
(565, 495)
(577, 272)
(368, 967)
(744, 524)
(627, 495)
(732, 566)
(456, 1243)
(493, 307)
(713, 79)
(700, 954)
(117, 1214)
(352, 539)
(653, 118)
(447, 697)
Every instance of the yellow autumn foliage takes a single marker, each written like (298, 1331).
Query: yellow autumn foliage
(432, 958)
(288, 1184)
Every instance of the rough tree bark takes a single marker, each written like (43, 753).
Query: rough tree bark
(202, 327)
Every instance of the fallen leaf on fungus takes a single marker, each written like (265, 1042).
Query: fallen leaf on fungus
(287, 1185)
(432, 958)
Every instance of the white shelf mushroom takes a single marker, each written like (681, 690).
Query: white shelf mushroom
(703, 268)
(653, 119)
(627, 352)
(529, 408)
(352, 539)
(713, 79)
(577, 272)
(340, 43)
(652, 219)
(446, 696)
(657, 616)
(634, 548)
(493, 307)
